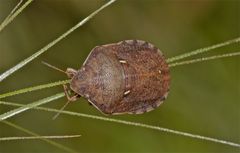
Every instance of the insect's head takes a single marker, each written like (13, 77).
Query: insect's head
(70, 72)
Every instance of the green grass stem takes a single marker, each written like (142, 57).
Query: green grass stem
(203, 50)
(30, 89)
(38, 137)
(14, 13)
(14, 112)
(167, 130)
(203, 59)
(45, 48)
(60, 146)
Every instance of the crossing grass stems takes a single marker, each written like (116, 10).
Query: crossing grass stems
(173, 62)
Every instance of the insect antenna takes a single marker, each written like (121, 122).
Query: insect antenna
(62, 108)
(196, 60)
(53, 67)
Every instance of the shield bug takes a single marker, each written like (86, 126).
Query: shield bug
(128, 77)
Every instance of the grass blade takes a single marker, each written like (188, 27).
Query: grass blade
(39, 137)
(45, 48)
(29, 89)
(29, 106)
(14, 13)
(60, 146)
(11, 13)
(202, 59)
(203, 50)
(185, 134)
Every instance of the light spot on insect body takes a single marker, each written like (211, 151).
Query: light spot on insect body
(149, 108)
(123, 61)
(126, 92)
(159, 71)
(87, 95)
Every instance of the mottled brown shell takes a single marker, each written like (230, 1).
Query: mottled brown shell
(131, 77)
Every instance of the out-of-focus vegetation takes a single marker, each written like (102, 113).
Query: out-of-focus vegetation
(204, 97)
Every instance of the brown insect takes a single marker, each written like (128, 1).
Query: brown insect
(128, 77)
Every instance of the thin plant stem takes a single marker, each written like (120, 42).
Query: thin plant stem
(14, 13)
(203, 50)
(13, 10)
(60, 146)
(39, 137)
(29, 89)
(14, 112)
(203, 59)
(45, 48)
(185, 134)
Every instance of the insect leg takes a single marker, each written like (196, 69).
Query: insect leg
(66, 91)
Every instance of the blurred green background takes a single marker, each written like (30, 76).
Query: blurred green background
(204, 97)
